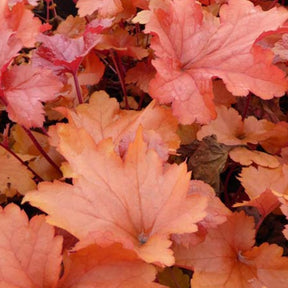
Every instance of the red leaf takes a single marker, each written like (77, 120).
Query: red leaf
(192, 48)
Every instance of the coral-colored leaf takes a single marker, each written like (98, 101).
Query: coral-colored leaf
(61, 53)
(228, 259)
(192, 47)
(136, 201)
(22, 21)
(109, 267)
(24, 89)
(30, 254)
(9, 46)
(281, 48)
(141, 74)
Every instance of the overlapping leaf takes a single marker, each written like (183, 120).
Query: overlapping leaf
(193, 47)
(109, 267)
(30, 254)
(137, 201)
(102, 118)
(24, 88)
(228, 259)
(14, 176)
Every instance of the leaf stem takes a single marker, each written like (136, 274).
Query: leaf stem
(248, 99)
(120, 73)
(78, 88)
(39, 178)
(41, 150)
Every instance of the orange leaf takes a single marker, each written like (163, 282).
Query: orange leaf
(275, 138)
(72, 27)
(26, 150)
(30, 254)
(228, 259)
(136, 201)
(108, 267)
(193, 47)
(123, 43)
(14, 176)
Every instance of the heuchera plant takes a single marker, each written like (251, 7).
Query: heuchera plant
(143, 144)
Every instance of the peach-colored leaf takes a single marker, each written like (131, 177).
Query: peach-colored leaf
(192, 47)
(231, 130)
(105, 8)
(216, 211)
(102, 118)
(257, 180)
(228, 259)
(108, 267)
(24, 89)
(246, 157)
(136, 201)
(30, 254)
